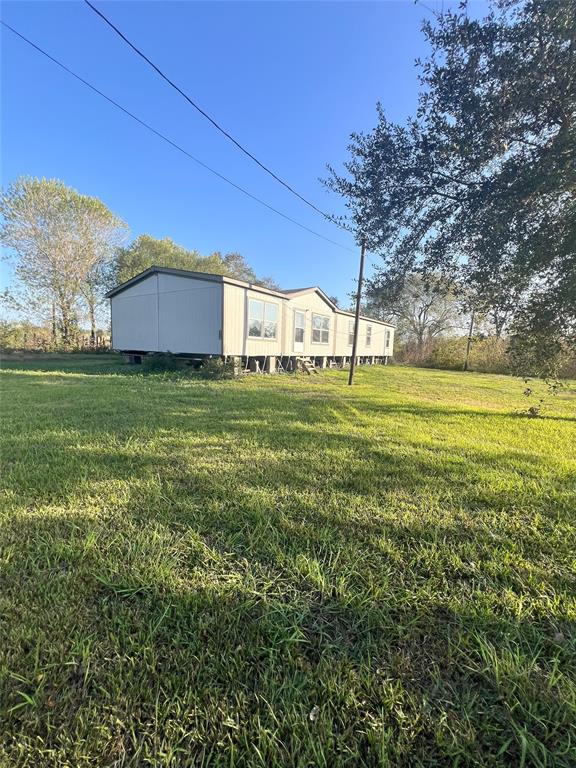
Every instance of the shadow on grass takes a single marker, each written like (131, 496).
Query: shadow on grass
(209, 437)
(222, 639)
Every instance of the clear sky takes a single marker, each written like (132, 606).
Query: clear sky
(290, 80)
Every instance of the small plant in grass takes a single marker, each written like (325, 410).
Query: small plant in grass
(534, 410)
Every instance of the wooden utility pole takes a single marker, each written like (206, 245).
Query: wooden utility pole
(357, 314)
(469, 342)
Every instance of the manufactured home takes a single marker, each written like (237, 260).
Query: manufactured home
(199, 315)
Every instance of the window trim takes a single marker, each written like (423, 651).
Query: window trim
(262, 336)
(302, 327)
(321, 330)
(351, 327)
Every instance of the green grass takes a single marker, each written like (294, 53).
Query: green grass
(282, 571)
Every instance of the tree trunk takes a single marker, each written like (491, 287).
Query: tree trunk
(92, 324)
(498, 323)
(65, 323)
(54, 331)
(420, 345)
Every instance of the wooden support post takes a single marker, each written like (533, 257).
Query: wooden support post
(323, 362)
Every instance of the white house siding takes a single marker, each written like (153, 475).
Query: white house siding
(388, 349)
(375, 348)
(338, 344)
(378, 339)
(342, 348)
(309, 303)
(168, 313)
(236, 339)
(190, 312)
(134, 314)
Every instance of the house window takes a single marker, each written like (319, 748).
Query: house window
(351, 325)
(262, 319)
(388, 337)
(368, 335)
(320, 329)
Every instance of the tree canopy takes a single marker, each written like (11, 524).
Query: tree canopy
(480, 185)
(68, 249)
(61, 242)
(147, 251)
(422, 310)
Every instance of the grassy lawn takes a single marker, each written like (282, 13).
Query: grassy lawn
(282, 571)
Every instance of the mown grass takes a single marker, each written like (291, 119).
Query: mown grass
(283, 571)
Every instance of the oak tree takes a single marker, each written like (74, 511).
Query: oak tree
(480, 185)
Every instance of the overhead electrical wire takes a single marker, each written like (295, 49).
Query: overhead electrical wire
(173, 143)
(209, 117)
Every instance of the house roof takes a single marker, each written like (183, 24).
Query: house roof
(299, 290)
(313, 289)
(210, 277)
(316, 289)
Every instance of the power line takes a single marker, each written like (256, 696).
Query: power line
(435, 13)
(172, 143)
(206, 115)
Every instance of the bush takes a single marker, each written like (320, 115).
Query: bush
(487, 355)
(217, 368)
(166, 362)
(158, 362)
(446, 353)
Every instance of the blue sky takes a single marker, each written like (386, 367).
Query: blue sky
(290, 80)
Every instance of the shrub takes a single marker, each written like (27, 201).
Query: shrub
(217, 368)
(159, 362)
(447, 353)
(487, 355)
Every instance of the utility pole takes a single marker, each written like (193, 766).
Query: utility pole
(357, 314)
(469, 342)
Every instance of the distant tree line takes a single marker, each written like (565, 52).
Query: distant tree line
(433, 324)
(68, 250)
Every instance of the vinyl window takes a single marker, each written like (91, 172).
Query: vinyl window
(388, 337)
(262, 319)
(320, 329)
(368, 335)
(351, 325)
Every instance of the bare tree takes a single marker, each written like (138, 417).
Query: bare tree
(423, 310)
